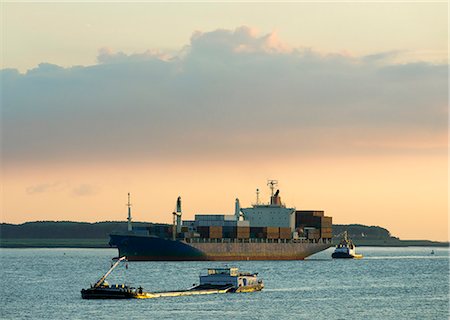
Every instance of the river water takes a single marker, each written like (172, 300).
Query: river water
(388, 283)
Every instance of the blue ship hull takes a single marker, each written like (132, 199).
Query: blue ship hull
(151, 248)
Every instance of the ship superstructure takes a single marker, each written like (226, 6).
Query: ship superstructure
(268, 231)
(274, 213)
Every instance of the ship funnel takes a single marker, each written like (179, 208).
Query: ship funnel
(237, 209)
(275, 199)
(178, 213)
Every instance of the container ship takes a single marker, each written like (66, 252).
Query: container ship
(264, 231)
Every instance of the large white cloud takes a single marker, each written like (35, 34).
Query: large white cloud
(227, 92)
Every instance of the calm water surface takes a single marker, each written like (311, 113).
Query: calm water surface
(389, 283)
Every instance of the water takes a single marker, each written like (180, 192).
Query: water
(389, 283)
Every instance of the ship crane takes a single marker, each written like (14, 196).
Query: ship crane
(102, 279)
(129, 213)
(176, 228)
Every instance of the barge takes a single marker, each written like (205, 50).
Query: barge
(216, 281)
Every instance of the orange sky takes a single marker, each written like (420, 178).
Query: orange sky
(406, 195)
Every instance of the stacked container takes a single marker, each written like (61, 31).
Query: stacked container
(229, 232)
(256, 232)
(312, 233)
(210, 232)
(326, 230)
(285, 233)
(236, 232)
(243, 232)
(272, 232)
(305, 219)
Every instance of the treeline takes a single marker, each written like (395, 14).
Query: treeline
(101, 230)
(359, 231)
(63, 229)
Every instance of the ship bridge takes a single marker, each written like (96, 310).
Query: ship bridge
(274, 213)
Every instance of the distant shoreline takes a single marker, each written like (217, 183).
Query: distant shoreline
(71, 234)
(103, 243)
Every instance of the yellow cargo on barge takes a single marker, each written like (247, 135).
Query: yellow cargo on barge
(219, 280)
(151, 295)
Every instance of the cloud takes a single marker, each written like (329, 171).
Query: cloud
(84, 190)
(387, 56)
(46, 187)
(241, 40)
(107, 55)
(228, 93)
(81, 190)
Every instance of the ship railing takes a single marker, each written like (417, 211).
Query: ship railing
(255, 240)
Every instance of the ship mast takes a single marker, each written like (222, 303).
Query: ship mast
(176, 224)
(272, 184)
(179, 213)
(129, 213)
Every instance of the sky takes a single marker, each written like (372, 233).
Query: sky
(345, 104)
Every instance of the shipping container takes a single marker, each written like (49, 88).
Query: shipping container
(312, 233)
(326, 222)
(209, 217)
(271, 232)
(211, 232)
(236, 232)
(285, 233)
(243, 232)
(272, 229)
(312, 219)
(229, 232)
(215, 232)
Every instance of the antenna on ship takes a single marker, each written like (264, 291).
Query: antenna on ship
(176, 224)
(272, 184)
(257, 196)
(129, 213)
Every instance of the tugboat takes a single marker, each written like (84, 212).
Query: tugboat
(218, 280)
(103, 290)
(346, 249)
